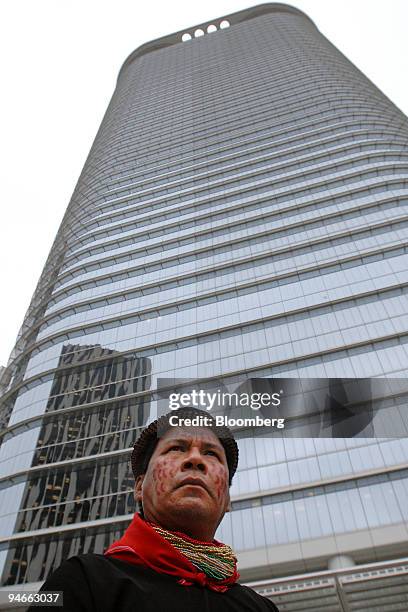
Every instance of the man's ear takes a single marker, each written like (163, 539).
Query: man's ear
(228, 504)
(138, 488)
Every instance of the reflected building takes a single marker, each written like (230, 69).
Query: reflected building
(241, 214)
(78, 461)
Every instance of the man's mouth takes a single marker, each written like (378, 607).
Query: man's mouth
(197, 482)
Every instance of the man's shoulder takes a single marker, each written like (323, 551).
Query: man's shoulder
(80, 563)
(91, 563)
(72, 579)
(91, 582)
(85, 578)
(97, 569)
(88, 559)
(259, 602)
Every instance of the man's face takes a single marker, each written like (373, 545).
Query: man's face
(185, 487)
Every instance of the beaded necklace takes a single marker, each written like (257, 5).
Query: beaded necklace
(217, 562)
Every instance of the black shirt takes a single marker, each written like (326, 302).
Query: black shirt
(94, 583)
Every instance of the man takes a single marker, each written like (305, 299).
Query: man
(168, 560)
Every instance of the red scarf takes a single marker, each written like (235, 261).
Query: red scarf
(141, 545)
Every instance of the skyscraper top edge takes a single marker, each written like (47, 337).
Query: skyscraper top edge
(227, 20)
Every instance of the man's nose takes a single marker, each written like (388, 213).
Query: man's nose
(194, 460)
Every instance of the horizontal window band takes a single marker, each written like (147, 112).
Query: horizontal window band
(283, 494)
(217, 295)
(62, 444)
(343, 151)
(222, 155)
(173, 261)
(357, 482)
(88, 525)
(83, 239)
(192, 163)
(340, 198)
(267, 188)
(203, 218)
(259, 154)
(44, 343)
(261, 113)
(195, 214)
(108, 278)
(331, 484)
(266, 174)
(223, 231)
(292, 80)
(57, 315)
(333, 101)
(146, 393)
(316, 151)
(79, 441)
(323, 487)
(47, 375)
(260, 95)
(302, 132)
(328, 117)
(85, 215)
(203, 272)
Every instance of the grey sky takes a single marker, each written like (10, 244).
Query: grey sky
(59, 62)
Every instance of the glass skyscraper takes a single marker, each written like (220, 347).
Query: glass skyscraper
(241, 214)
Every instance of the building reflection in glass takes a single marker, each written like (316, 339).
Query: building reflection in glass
(71, 489)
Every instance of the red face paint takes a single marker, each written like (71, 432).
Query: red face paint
(182, 455)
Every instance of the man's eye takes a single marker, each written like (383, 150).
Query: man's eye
(213, 453)
(176, 447)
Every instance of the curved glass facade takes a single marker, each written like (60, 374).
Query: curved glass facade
(241, 213)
